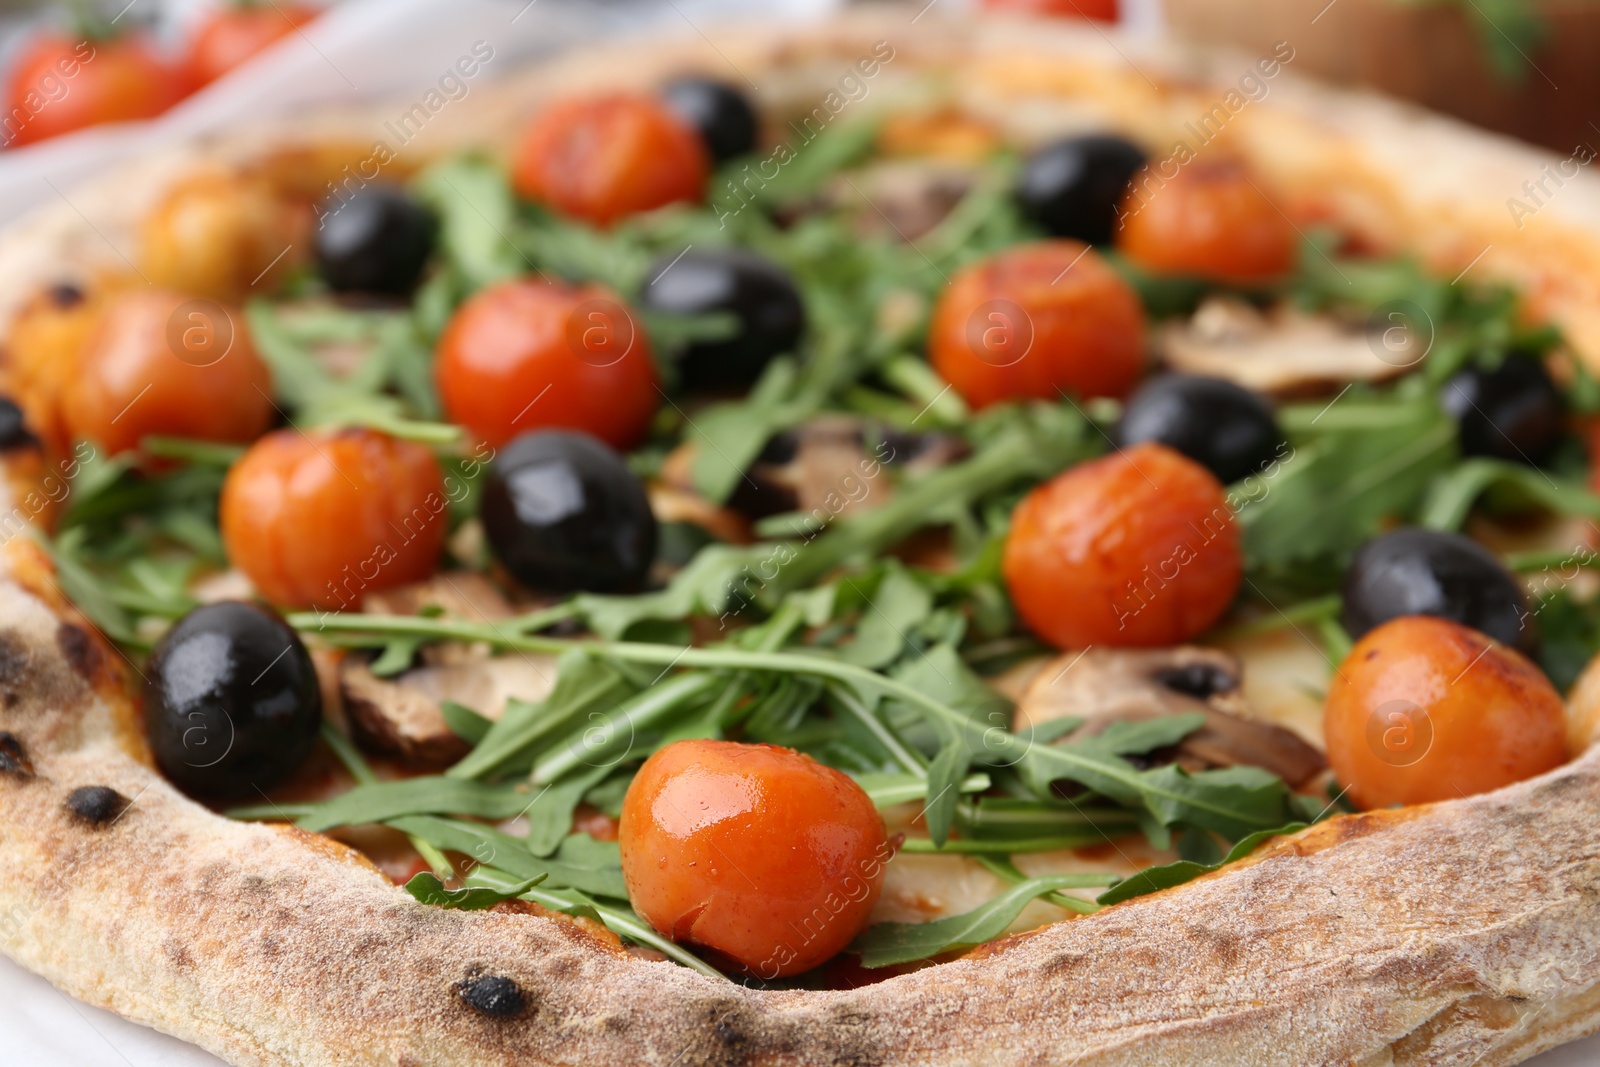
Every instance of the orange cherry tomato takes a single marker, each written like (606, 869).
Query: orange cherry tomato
(234, 33)
(161, 362)
(1426, 709)
(1138, 548)
(528, 355)
(600, 158)
(324, 517)
(1038, 321)
(758, 853)
(1101, 10)
(1210, 221)
(60, 84)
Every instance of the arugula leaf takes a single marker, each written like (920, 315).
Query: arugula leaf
(887, 790)
(477, 212)
(1451, 497)
(384, 801)
(883, 944)
(897, 605)
(945, 775)
(429, 890)
(550, 817)
(1165, 877)
(595, 870)
(464, 722)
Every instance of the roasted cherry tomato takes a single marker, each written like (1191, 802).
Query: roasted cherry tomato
(60, 84)
(324, 517)
(760, 854)
(721, 114)
(1211, 220)
(528, 355)
(1416, 571)
(1038, 321)
(1512, 412)
(223, 235)
(1103, 10)
(1425, 709)
(1074, 186)
(235, 32)
(600, 158)
(563, 512)
(160, 362)
(231, 700)
(1222, 426)
(1138, 548)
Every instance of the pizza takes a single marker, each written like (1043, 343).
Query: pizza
(898, 541)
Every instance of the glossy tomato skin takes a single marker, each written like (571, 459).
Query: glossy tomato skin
(1036, 322)
(758, 853)
(1136, 549)
(527, 354)
(234, 33)
(1100, 10)
(1425, 709)
(60, 84)
(1211, 220)
(601, 158)
(160, 362)
(321, 518)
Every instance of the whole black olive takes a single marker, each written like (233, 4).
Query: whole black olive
(1417, 571)
(231, 700)
(1072, 187)
(721, 114)
(759, 294)
(563, 512)
(1512, 412)
(1222, 426)
(376, 240)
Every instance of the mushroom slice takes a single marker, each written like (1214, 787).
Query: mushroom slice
(1103, 686)
(404, 715)
(904, 198)
(1286, 352)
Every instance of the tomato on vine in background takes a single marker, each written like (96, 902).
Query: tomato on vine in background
(236, 31)
(61, 82)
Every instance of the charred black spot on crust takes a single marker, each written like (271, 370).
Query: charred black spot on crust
(13, 760)
(729, 1035)
(65, 295)
(14, 659)
(79, 648)
(1198, 680)
(492, 994)
(853, 1045)
(14, 432)
(97, 805)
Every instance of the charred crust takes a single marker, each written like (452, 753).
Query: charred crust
(14, 663)
(13, 759)
(97, 805)
(492, 994)
(65, 295)
(79, 649)
(1199, 680)
(14, 432)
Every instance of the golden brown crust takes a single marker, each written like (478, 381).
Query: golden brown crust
(1467, 932)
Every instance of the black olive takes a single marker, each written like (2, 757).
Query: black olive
(1222, 426)
(760, 295)
(720, 113)
(231, 700)
(376, 240)
(1072, 187)
(1417, 571)
(14, 432)
(1511, 412)
(563, 512)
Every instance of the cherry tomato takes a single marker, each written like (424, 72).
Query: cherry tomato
(1212, 220)
(528, 354)
(223, 235)
(324, 517)
(1102, 10)
(60, 84)
(161, 362)
(232, 34)
(1138, 548)
(1037, 321)
(1426, 709)
(600, 158)
(758, 853)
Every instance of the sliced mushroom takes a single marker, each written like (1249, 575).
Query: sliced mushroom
(1104, 686)
(1284, 351)
(903, 198)
(403, 715)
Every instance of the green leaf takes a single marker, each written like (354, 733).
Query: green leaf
(945, 775)
(1451, 497)
(429, 890)
(1165, 877)
(883, 944)
(464, 722)
(550, 817)
(1123, 738)
(898, 604)
(887, 790)
(477, 217)
(416, 796)
(595, 870)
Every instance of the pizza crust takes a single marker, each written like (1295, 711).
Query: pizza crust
(1460, 933)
